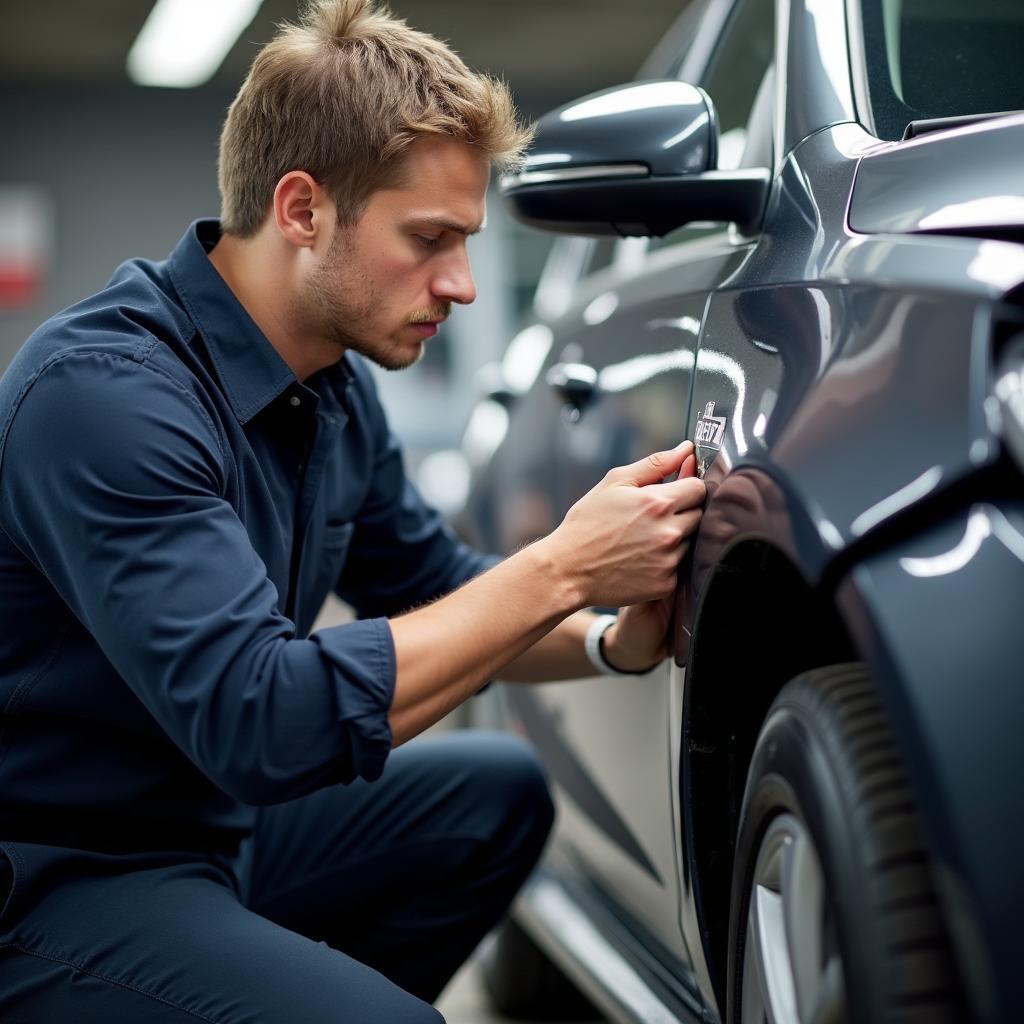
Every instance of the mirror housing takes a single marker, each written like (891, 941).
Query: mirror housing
(633, 160)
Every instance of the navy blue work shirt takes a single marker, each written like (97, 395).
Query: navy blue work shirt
(174, 507)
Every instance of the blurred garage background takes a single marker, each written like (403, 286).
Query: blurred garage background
(98, 166)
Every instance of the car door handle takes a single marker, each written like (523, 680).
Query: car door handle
(576, 384)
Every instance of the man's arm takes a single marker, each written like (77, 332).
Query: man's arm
(636, 642)
(619, 545)
(558, 655)
(113, 482)
(561, 655)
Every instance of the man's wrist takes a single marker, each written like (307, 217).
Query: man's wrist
(597, 649)
(627, 660)
(558, 573)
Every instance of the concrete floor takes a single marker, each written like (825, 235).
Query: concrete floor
(464, 1000)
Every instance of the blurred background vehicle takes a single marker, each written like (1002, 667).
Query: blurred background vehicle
(809, 814)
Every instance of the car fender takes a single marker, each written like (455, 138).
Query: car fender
(936, 618)
(928, 612)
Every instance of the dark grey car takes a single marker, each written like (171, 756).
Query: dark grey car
(813, 813)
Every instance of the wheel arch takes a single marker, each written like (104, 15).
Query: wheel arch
(755, 602)
(756, 598)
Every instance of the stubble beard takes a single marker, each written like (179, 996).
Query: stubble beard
(341, 304)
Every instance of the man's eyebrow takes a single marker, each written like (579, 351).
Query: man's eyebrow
(450, 225)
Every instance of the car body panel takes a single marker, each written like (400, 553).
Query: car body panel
(806, 237)
(851, 374)
(642, 348)
(937, 616)
(812, 50)
(634, 857)
(833, 433)
(959, 181)
(824, 384)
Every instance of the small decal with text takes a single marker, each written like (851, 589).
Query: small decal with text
(710, 428)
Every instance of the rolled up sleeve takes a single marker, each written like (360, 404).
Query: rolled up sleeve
(112, 482)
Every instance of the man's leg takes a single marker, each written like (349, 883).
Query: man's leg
(408, 873)
(173, 945)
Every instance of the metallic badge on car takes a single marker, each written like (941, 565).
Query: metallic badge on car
(708, 436)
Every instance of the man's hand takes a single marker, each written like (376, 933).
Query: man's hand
(639, 639)
(622, 542)
(619, 545)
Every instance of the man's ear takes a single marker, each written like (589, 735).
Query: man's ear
(300, 208)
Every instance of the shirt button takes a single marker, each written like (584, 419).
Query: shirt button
(295, 400)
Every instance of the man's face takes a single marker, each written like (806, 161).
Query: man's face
(386, 282)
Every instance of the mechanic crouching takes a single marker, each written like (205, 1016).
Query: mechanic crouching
(208, 811)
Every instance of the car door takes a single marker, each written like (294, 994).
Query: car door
(620, 372)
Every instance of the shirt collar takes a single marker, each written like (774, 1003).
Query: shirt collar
(251, 371)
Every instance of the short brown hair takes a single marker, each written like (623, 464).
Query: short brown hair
(340, 96)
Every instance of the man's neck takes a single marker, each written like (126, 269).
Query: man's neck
(262, 283)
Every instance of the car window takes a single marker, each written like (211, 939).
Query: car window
(735, 73)
(941, 58)
(738, 66)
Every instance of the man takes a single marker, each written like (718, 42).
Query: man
(204, 816)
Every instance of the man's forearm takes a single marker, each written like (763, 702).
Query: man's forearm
(562, 653)
(619, 546)
(447, 650)
(558, 655)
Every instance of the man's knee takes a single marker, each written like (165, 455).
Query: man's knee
(528, 786)
(514, 786)
(419, 1012)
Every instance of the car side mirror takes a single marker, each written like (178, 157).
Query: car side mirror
(638, 160)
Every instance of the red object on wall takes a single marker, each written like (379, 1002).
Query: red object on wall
(26, 242)
(19, 284)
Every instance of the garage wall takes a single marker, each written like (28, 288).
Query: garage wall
(126, 170)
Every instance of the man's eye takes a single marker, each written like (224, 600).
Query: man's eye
(429, 241)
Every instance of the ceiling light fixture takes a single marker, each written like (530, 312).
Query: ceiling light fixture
(183, 42)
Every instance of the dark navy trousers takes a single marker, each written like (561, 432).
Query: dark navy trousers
(354, 904)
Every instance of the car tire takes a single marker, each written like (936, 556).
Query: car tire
(834, 914)
(522, 983)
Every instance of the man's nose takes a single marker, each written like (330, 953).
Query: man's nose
(455, 281)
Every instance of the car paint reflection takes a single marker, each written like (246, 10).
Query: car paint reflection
(631, 373)
(984, 522)
(897, 501)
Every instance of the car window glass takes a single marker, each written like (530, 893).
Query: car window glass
(980, 69)
(737, 68)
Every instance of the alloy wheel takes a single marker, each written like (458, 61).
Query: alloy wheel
(792, 971)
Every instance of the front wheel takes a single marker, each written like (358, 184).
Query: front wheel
(834, 916)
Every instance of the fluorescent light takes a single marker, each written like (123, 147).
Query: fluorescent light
(183, 42)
